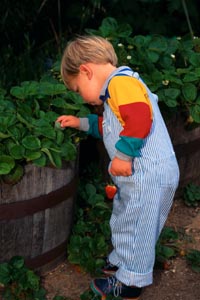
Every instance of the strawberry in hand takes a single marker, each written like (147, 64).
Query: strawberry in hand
(110, 191)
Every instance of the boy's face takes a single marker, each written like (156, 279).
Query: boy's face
(87, 86)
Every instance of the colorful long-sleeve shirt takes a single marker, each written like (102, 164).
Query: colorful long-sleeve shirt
(128, 99)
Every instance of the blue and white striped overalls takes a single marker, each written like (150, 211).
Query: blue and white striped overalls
(143, 201)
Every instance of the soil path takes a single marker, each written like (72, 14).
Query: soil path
(177, 283)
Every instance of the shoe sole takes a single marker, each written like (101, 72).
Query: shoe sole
(103, 296)
(109, 272)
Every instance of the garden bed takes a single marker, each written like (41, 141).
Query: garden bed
(178, 282)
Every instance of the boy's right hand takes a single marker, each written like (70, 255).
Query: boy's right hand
(69, 121)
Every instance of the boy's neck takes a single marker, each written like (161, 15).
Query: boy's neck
(102, 71)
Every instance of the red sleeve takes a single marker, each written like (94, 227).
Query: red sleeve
(100, 120)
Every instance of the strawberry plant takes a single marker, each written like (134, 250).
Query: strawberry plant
(27, 126)
(191, 195)
(167, 246)
(90, 238)
(193, 258)
(169, 66)
(19, 282)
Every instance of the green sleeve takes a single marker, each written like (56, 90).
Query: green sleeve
(94, 126)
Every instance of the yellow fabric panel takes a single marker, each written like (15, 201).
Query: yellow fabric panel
(125, 90)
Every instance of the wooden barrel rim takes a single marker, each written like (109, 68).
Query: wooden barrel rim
(24, 208)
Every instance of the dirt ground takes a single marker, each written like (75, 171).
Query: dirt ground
(179, 282)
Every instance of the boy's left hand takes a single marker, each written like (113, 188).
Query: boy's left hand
(120, 167)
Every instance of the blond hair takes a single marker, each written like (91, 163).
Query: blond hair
(84, 49)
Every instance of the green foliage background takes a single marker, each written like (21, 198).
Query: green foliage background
(33, 35)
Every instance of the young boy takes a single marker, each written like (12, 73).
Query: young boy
(143, 164)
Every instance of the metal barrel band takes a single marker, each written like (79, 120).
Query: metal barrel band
(28, 207)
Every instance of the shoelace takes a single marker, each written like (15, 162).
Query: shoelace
(116, 284)
(110, 265)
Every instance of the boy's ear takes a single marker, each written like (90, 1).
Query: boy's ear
(86, 69)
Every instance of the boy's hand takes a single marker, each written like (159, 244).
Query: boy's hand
(120, 167)
(69, 121)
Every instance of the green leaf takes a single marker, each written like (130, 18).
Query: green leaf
(41, 161)
(68, 151)
(189, 91)
(195, 113)
(54, 158)
(17, 151)
(139, 40)
(59, 136)
(47, 131)
(84, 111)
(109, 25)
(166, 252)
(33, 280)
(158, 43)
(18, 92)
(195, 59)
(61, 103)
(191, 77)
(57, 159)
(168, 234)
(58, 127)
(124, 31)
(17, 262)
(7, 163)
(74, 97)
(4, 135)
(31, 142)
(30, 88)
(15, 133)
(24, 121)
(90, 190)
(5, 276)
(153, 56)
(172, 93)
(32, 155)
(50, 116)
(51, 89)
(101, 205)
(40, 294)
(15, 175)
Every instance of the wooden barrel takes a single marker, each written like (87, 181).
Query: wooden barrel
(36, 215)
(187, 148)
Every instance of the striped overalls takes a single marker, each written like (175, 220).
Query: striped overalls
(143, 201)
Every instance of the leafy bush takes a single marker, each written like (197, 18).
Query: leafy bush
(19, 281)
(191, 195)
(169, 66)
(167, 245)
(27, 127)
(193, 258)
(90, 239)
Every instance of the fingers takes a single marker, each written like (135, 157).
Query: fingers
(120, 173)
(119, 167)
(64, 121)
(68, 121)
(63, 118)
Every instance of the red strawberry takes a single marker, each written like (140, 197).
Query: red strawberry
(110, 191)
